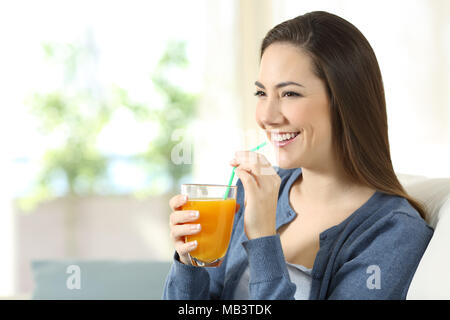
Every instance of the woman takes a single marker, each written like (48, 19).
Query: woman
(332, 221)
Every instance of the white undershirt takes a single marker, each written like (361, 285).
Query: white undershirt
(300, 276)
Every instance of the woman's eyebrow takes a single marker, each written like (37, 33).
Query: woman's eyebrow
(280, 85)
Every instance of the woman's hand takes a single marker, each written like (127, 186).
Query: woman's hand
(181, 225)
(261, 184)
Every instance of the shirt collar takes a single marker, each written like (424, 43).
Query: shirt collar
(285, 213)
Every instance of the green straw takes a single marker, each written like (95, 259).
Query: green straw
(234, 168)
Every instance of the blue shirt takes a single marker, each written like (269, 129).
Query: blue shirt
(372, 254)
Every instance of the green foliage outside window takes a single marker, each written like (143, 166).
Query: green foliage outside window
(76, 115)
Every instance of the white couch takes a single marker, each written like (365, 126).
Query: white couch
(432, 277)
(431, 280)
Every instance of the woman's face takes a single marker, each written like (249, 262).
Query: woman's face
(292, 99)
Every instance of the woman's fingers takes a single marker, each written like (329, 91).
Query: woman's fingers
(256, 165)
(252, 157)
(180, 230)
(184, 248)
(180, 222)
(177, 201)
(249, 181)
(261, 183)
(253, 162)
(181, 226)
(183, 216)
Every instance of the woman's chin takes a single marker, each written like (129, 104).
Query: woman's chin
(288, 164)
(286, 160)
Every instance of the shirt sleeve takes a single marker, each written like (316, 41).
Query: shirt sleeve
(380, 264)
(186, 282)
(269, 277)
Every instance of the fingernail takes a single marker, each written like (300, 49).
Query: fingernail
(194, 214)
(193, 243)
(195, 227)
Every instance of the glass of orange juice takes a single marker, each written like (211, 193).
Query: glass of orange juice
(216, 210)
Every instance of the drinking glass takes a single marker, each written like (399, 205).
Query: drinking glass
(216, 207)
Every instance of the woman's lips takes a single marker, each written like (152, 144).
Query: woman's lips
(281, 144)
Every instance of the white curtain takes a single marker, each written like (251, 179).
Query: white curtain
(226, 123)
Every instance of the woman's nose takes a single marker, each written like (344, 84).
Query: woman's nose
(270, 113)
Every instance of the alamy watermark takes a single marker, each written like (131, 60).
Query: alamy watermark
(374, 280)
(203, 135)
(74, 280)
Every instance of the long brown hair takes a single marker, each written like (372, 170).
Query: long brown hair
(343, 58)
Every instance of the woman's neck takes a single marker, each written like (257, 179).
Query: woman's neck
(328, 187)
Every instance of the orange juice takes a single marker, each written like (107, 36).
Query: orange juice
(216, 220)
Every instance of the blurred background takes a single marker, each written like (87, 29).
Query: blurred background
(108, 106)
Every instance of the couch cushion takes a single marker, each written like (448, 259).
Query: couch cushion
(432, 193)
(431, 280)
(98, 279)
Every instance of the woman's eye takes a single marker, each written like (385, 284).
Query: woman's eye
(290, 94)
(260, 93)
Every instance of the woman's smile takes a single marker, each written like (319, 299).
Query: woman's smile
(281, 139)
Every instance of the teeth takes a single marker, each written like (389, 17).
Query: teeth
(282, 137)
